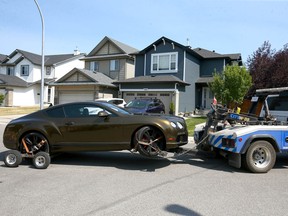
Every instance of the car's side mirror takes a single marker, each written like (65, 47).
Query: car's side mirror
(103, 114)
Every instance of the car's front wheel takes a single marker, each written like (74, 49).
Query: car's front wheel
(150, 141)
(12, 158)
(35, 142)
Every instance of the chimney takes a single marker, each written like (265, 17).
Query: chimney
(76, 52)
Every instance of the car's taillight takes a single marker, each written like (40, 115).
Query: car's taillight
(229, 143)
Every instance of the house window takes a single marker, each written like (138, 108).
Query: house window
(49, 94)
(114, 65)
(24, 70)
(94, 66)
(48, 70)
(164, 62)
(10, 71)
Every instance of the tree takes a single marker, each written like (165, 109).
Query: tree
(230, 86)
(1, 98)
(268, 68)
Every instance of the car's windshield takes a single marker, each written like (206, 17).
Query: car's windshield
(117, 108)
(139, 104)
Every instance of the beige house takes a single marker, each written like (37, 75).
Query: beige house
(113, 58)
(108, 62)
(83, 85)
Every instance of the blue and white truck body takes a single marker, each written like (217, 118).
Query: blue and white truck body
(238, 142)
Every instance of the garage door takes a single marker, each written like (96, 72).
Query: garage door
(165, 97)
(74, 96)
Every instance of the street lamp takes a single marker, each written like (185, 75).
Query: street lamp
(42, 53)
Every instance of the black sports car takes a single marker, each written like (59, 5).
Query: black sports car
(89, 126)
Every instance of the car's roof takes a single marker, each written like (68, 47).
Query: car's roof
(146, 99)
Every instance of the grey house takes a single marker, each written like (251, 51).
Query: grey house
(176, 74)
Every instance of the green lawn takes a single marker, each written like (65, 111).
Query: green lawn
(4, 111)
(191, 122)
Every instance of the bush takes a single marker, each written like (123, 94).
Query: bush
(2, 96)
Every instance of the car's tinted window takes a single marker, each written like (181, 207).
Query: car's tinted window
(56, 112)
(83, 110)
(117, 102)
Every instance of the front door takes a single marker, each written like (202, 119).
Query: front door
(207, 98)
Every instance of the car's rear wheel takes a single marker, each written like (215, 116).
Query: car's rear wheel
(35, 142)
(150, 141)
(41, 160)
(12, 158)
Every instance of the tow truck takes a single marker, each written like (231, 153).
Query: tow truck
(245, 140)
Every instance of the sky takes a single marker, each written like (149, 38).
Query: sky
(226, 26)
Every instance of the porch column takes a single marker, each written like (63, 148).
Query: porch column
(176, 101)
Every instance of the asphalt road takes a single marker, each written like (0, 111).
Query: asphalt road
(120, 183)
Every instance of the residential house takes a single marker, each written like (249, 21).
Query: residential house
(176, 74)
(2, 58)
(109, 61)
(83, 85)
(113, 58)
(27, 67)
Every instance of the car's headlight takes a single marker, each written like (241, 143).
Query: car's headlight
(173, 124)
(180, 125)
(177, 124)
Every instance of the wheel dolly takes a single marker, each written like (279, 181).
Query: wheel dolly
(41, 159)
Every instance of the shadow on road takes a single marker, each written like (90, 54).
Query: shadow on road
(121, 160)
(127, 161)
(180, 210)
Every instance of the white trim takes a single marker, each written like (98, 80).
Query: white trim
(184, 66)
(145, 64)
(164, 71)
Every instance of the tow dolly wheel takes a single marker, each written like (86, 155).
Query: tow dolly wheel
(150, 141)
(41, 160)
(260, 157)
(12, 158)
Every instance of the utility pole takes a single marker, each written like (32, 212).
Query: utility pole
(42, 53)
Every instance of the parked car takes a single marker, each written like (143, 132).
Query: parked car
(117, 101)
(89, 126)
(145, 105)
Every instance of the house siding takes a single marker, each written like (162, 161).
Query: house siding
(187, 97)
(209, 66)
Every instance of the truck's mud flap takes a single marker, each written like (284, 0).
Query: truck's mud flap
(234, 159)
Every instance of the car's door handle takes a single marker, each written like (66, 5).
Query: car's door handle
(70, 123)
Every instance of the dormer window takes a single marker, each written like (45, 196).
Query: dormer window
(24, 70)
(94, 66)
(10, 71)
(164, 62)
(114, 65)
(48, 70)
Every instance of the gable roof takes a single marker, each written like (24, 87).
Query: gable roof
(154, 79)
(97, 78)
(200, 53)
(125, 49)
(6, 80)
(207, 53)
(173, 43)
(37, 59)
(2, 57)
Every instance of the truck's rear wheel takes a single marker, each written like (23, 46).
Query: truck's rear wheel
(260, 157)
